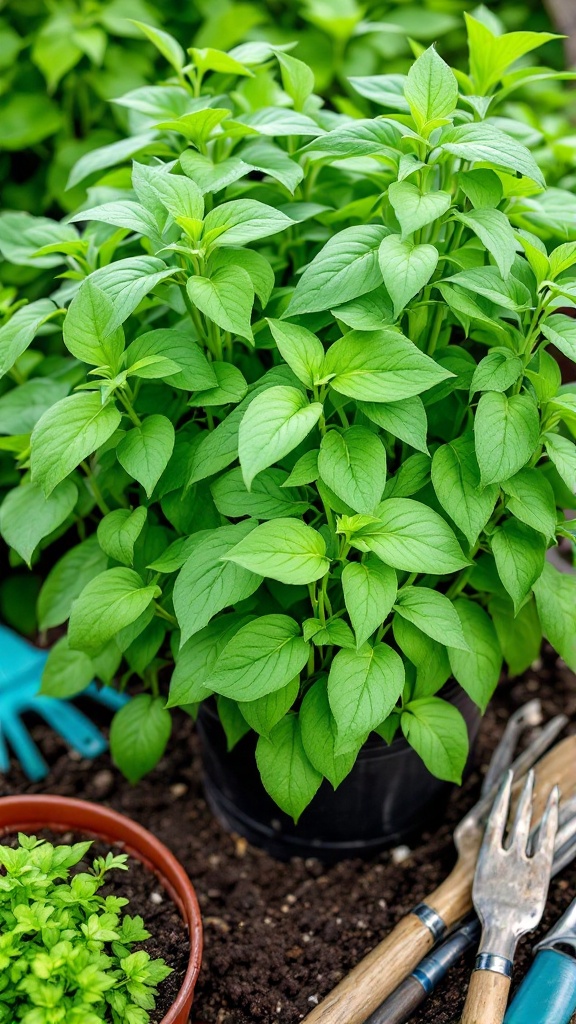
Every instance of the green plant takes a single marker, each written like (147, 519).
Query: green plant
(324, 512)
(66, 952)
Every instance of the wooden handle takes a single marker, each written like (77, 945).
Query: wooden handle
(487, 998)
(382, 970)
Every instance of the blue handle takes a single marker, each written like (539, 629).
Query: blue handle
(17, 656)
(548, 993)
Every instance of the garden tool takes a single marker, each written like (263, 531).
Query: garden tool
(382, 970)
(404, 1002)
(21, 667)
(509, 893)
(548, 993)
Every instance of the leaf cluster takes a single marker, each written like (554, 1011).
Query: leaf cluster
(66, 952)
(310, 429)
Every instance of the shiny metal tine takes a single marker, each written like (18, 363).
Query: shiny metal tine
(528, 716)
(520, 831)
(566, 825)
(496, 825)
(549, 827)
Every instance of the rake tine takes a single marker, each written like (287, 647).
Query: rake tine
(549, 826)
(523, 817)
(496, 824)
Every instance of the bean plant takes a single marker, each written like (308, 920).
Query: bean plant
(66, 952)
(309, 444)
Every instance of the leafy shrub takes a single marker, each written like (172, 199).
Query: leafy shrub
(65, 951)
(322, 513)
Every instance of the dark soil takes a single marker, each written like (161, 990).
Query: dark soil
(168, 939)
(278, 937)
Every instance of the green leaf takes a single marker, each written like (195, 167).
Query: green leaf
(519, 553)
(482, 142)
(346, 267)
(456, 480)
(109, 156)
(283, 549)
(437, 732)
(206, 585)
(520, 636)
(488, 282)
(495, 232)
(195, 660)
(477, 670)
(20, 331)
(90, 333)
(180, 195)
(555, 594)
(118, 532)
(482, 187)
(242, 221)
(180, 359)
(267, 499)
(431, 90)
(497, 371)
(413, 475)
(21, 408)
(67, 579)
(409, 535)
(263, 656)
(405, 419)
(353, 465)
(531, 499)
(406, 268)
(264, 156)
(66, 673)
(363, 688)
(127, 282)
(286, 772)
(144, 452)
(254, 263)
(274, 423)
(297, 79)
(491, 55)
(562, 453)
(414, 209)
(506, 431)
(319, 736)
(559, 329)
(263, 714)
(385, 90)
(108, 603)
(369, 593)
(139, 735)
(226, 298)
(380, 366)
(305, 471)
(362, 137)
(27, 516)
(68, 433)
(428, 657)
(165, 44)
(433, 613)
(230, 389)
(301, 349)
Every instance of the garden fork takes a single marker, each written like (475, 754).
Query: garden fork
(509, 893)
(382, 970)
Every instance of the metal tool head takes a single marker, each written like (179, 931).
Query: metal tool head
(468, 833)
(511, 883)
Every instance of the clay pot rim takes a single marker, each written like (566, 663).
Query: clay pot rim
(60, 814)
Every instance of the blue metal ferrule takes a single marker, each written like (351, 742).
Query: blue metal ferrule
(495, 963)
(433, 922)
(548, 993)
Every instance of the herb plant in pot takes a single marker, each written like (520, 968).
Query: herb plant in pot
(316, 446)
(86, 953)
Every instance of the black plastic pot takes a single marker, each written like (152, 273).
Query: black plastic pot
(389, 797)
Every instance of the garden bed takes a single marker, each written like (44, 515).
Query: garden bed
(280, 936)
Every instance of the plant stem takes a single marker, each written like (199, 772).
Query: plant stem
(94, 489)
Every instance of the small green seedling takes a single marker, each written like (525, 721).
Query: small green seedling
(66, 952)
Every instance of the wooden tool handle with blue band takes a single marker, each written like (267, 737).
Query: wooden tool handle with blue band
(548, 993)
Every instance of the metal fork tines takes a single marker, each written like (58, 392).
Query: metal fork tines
(510, 890)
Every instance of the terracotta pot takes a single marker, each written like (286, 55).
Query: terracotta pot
(29, 814)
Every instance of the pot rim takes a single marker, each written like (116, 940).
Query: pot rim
(60, 814)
